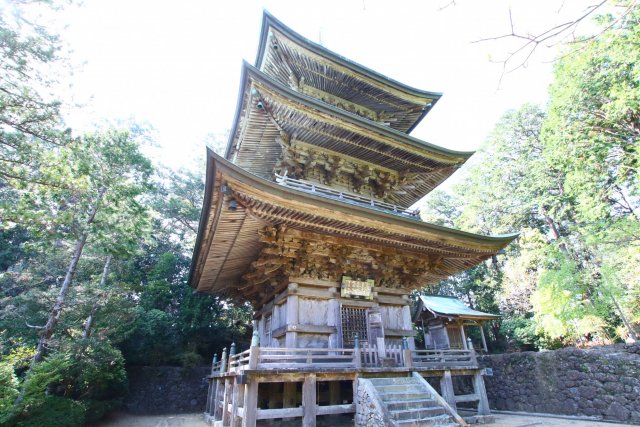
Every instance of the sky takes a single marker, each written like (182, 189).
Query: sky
(175, 65)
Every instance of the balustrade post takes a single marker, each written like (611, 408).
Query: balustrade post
(213, 362)
(223, 361)
(356, 352)
(254, 351)
(406, 354)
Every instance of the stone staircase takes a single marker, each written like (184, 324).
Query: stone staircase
(410, 404)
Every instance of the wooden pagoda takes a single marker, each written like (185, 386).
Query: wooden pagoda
(307, 217)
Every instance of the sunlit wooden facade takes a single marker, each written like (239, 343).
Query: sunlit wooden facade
(308, 217)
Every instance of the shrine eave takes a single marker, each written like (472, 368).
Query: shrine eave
(250, 73)
(218, 266)
(426, 98)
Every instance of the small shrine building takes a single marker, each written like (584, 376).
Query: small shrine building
(308, 218)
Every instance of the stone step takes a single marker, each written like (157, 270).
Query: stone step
(396, 388)
(405, 395)
(411, 404)
(439, 421)
(421, 413)
(393, 381)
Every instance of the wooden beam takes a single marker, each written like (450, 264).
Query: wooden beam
(267, 414)
(336, 409)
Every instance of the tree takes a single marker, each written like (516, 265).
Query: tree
(98, 181)
(29, 113)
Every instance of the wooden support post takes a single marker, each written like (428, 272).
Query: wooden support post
(235, 404)
(464, 338)
(484, 341)
(240, 408)
(211, 394)
(481, 392)
(250, 403)
(446, 386)
(217, 405)
(228, 396)
(292, 316)
(309, 406)
(333, 319)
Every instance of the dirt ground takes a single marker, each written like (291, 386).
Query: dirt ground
(195, 420)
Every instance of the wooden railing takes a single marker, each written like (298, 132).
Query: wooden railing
(443, 358)
(240, 361)
(296, 358)
(326, 191)
(340, 358)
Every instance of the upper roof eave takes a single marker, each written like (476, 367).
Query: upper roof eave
(268, 20)
(250, 71)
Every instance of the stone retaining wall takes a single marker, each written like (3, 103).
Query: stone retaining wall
(603, 382)
(166, 390)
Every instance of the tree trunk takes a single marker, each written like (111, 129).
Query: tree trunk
(56, 311)
(54, 316)
(556, 234)
(88, 324)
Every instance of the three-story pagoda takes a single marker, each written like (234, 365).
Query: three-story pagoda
(308, 217)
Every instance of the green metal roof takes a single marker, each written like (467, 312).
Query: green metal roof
(451, 306)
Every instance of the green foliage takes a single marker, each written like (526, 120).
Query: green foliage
(567, 179)
(8, 390)
(50, 411)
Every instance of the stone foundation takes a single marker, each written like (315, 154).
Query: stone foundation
(166, 390)
(603, 382)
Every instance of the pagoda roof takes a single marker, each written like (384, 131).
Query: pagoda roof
(266, 109)
(450, 307)
(238, 205)
(286, 55)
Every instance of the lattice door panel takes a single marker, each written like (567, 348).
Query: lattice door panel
(354, 321)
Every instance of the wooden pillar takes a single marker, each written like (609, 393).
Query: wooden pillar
(481, 392)
(292, 316)
(217, 403)
(238, 396)
(250, 403)
(464, 338)
(484, 341)
(333, 319)
(309, 406)
(446, 386)
(228, 396)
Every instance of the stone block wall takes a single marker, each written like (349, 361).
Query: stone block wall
(603, 382)
(166, 390)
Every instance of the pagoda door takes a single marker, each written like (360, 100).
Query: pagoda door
(353, 321)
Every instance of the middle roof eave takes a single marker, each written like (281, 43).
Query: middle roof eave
(449, 236)
(438, 153)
